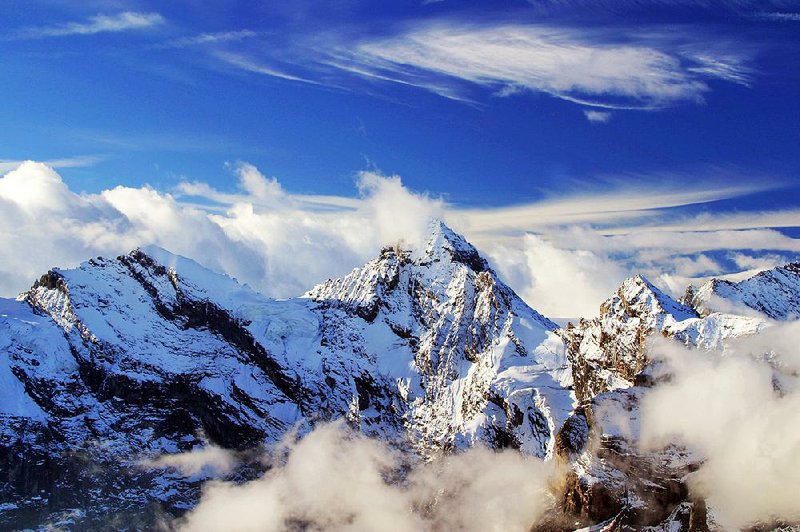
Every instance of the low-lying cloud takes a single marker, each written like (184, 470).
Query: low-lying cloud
(208, 461)
(568, 283)
(739, 410)
(335, 479)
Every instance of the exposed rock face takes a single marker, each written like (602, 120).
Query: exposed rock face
(608, 352)
(613, 480)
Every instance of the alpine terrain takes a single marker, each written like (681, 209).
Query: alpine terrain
(119, 361)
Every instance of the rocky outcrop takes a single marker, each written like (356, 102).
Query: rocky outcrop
(608, 352)
(612, 480)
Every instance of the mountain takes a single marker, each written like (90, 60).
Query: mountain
(476, 362)
(613, 480)
(107, 367)
(149, 353)
(773, 293)
(609, 351)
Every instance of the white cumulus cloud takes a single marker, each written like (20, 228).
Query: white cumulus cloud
(597, 117)
(564, 255)
(208, 461)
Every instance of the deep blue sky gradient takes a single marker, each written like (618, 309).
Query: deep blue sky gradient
(159, 115)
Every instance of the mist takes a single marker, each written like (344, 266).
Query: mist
(336, 479)
(739, 409)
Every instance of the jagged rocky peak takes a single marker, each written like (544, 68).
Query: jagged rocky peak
(608, 352)
(363, 289)
(774, 293)
(59, 293)
(448, 265)
(169, 279)
(637, 297)
(463, 329)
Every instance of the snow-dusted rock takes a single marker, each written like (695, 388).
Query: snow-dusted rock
(772, 293)
(609, 351)
(613, 480)
(473, 361)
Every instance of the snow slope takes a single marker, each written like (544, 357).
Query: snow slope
(108, 365)
(772, 293)
(150, 353)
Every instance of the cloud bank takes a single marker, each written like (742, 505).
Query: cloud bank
(334, 479)
(563, 255)
(278, 243)
(738, 409)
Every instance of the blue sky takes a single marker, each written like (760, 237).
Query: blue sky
(482, 106)
(180, 88)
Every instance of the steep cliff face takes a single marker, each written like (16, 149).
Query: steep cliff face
(149, 353)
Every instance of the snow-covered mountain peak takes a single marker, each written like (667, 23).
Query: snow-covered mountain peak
(608, 352)
(470, 339)
(444, 244)
(638, 297)
(146, 280)
(772, 293)
(449, 270)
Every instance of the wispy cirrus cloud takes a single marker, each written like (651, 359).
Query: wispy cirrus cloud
(249, 64)
(79, 161)
(125, 21)
(781, 15)
(209, 39)
(619, 204)
(594, 68)
(611, 68)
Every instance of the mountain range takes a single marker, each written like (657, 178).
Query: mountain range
(119, 361)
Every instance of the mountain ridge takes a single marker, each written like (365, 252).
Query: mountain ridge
(151, 353)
